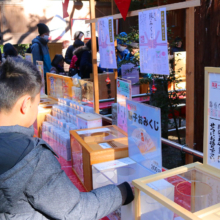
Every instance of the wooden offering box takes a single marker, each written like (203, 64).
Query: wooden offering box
(96, 145)
(197, 186)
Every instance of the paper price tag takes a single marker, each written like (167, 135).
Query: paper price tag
(93, 131)
(114, 164)
(154, 167)
(105, 145)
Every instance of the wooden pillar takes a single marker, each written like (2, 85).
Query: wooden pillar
(190, 69)
(94, 58)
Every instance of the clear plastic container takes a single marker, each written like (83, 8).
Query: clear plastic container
(195, 190)
(119, 171)
(100, 134)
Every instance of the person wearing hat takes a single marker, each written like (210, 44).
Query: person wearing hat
(78, 42)
(39, 48)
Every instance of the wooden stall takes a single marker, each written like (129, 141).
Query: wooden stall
(189, 6)
(199, 198)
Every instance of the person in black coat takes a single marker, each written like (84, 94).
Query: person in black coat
(84, 61)
(78, 37)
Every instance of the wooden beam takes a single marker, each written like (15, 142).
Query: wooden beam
(137, 203)
(170, 7)
(190, 69)
(94, 58)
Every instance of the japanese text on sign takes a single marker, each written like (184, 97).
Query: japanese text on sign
(123, 93)
(214, 121)
(153, 42)
(106, 43)
(144, 135)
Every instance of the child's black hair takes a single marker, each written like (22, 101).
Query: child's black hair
(18, 77)
(57, 59)
(9, 50)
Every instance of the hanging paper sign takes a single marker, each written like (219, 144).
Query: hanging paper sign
(153, 42)
(144, 135)
(106, 43)
(40, 66)
(123, 92)
(123, 6)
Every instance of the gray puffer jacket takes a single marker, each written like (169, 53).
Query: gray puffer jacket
(34, 187)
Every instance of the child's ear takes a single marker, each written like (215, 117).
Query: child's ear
(26, 104)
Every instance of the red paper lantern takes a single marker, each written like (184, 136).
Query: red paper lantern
(108, 81)
(123, 6)
(154, 89)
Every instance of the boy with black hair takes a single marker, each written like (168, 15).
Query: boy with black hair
(32, 184)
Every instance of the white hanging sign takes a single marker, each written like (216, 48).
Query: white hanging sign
(106, 43)
(153, 42)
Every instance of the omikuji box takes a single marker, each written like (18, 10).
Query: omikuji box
(119, 171)
(88, 120)
(97, 145)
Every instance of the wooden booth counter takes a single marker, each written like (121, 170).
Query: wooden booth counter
(197, 194)
(96, 145)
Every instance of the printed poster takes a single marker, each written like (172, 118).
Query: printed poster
(144, 135)
(153, 42)
(123, 92)
(214, 121)
(106, 43)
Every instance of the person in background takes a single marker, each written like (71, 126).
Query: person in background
(84, 59)
(32, 183)
(39, 48)
(9, 50)
(57, 65)
(178, 46)
(78, 42)
(121, 50)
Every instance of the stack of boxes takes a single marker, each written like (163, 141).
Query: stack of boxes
(63, 118)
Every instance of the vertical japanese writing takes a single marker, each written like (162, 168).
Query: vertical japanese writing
(212, 141)
(218, 143)
(163, 26)
(110, 29)
(151, 17)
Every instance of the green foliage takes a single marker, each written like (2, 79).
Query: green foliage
(1, 47)
(21, 48)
